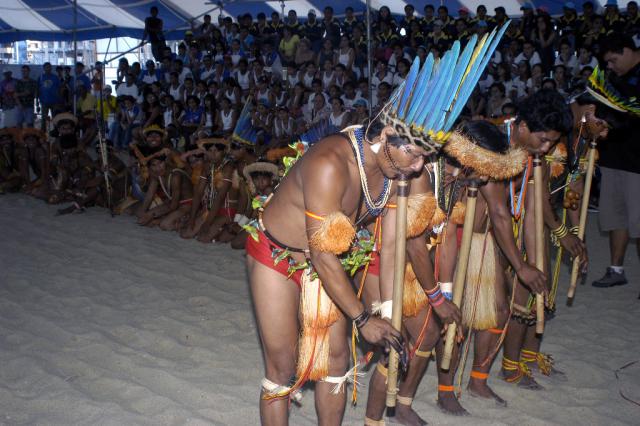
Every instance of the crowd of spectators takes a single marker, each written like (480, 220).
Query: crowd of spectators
(297, 73)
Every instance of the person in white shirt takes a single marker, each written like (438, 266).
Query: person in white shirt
(528, 54)
(208, 70)
(183, 72)
(567, 57)
(381, 74)
(128, 88)
(585, 59)
(150, 74)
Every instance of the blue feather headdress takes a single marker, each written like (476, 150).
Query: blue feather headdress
(424, 108)
(318, 131)
(244, 132)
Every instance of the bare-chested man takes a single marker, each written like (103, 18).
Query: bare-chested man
(226, 202)
(169, 195)
(542, 119)
(324, 191)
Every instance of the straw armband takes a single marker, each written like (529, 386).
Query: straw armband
(420, 210)
(423, 354)
(335, 234)
(275, 389)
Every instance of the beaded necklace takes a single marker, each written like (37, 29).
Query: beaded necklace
(374, 207)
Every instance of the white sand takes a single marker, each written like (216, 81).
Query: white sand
(103, 322)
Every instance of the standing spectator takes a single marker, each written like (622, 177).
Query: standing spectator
(544, 37)
(620, 161)
(26, 89)
(48, 93)
(313, 30)
(350, 21)
(292, 22)
(154, 33)
(8, 100)
(569, 19)
(426, 24)
(331, 26)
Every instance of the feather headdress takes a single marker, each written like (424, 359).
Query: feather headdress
(603, 91)
(424, 108)
(318, 131)
(244, 132)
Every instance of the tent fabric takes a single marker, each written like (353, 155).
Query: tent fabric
(49, 20)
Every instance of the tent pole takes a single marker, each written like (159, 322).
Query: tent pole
(370, 94)
(75, 54)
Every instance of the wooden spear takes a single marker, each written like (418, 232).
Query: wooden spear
(461, 269)
(539, 229)
(584, 205)
(398, 290)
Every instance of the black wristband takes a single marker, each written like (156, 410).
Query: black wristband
(361, 319)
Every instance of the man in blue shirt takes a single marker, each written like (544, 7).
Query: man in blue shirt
(48, 93)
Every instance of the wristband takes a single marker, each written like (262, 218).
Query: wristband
(447, 289)
(361, 319)
(386, 308)
(434, 290)
(560, 232)
(437, 301)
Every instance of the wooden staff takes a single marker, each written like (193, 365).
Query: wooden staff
(539, 228)
(584, 205)
(461, 269)
(398, 290)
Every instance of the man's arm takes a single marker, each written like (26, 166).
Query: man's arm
(569, 242)
(324, 184)
(496, 199)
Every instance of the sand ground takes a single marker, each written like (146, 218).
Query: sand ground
(103, 322)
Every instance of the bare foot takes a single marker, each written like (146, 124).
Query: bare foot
(525, 382)
(480, 389)
(448, 403)
(406, 416)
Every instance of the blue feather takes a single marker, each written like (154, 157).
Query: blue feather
(472, 80)
(457, 80)
(433, 114)
(408, 88)
(429, 97)
(420, 88)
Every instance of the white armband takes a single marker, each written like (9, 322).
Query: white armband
(447, 290)
(241, 219)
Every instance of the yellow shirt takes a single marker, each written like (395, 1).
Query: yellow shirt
(288, 48)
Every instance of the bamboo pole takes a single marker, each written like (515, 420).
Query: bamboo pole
(584, 206)
(461, 269)
(398, 289)
(539, 229)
